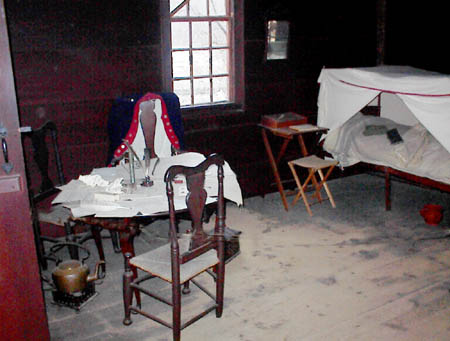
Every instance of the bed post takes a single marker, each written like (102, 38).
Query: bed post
(379, 105)
(387, 189)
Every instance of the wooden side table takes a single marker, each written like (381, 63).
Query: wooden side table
(287, 134)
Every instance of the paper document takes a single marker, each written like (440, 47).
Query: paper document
(305, 127)
(103, 193)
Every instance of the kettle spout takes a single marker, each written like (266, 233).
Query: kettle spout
(95, 275)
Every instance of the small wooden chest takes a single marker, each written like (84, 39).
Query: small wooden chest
(283, 120)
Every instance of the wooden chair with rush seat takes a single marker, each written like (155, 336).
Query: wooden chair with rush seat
(47, 161)
(183, 259)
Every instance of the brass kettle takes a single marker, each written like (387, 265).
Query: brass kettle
(72, 276)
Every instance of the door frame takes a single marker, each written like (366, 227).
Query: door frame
(22, 306)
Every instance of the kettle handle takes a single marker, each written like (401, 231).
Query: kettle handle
(58, 246)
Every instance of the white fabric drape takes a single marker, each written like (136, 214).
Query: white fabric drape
(343, 92)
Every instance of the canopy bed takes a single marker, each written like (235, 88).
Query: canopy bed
(407, 132)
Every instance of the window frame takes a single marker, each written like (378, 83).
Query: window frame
(236, 45)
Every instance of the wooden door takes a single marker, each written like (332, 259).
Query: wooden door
(22, 308)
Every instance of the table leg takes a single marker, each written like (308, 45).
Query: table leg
(127, 246)
(302, 144)
(274, 166)
(127, 242)
(282, 151)
(95, 230)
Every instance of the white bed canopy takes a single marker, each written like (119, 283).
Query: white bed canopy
(344, 92)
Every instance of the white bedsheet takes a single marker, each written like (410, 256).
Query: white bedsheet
(419, 153)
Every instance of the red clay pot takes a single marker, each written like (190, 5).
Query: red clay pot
(432, 214)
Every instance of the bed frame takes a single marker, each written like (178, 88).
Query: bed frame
(388, 171)
(408, 177)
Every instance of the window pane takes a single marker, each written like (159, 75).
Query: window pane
(183, 91)
(182, 12)
(220, 61)
(201, 91)
(200, 34)
(180, 60)
(197, 8)
(217, 7)
(180, 35)
(174, 4)
(221, 89)
(219, 33)
(200, 63)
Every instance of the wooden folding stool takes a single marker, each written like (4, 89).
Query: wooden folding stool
(313, 164)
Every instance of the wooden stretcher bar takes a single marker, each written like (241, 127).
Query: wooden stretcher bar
(412, 178)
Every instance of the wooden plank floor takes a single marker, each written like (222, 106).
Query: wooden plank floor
(355, 272)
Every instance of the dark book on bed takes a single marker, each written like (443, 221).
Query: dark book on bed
(394, 136)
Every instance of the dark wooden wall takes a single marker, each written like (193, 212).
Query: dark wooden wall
(73, 58)
(417, 34)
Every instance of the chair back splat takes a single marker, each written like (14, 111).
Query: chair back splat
(195, 202)
(47, 158)
(183, 259)
(41, 157)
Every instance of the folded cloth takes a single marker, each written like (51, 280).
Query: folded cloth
(374, 130)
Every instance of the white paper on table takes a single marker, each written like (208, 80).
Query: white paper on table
(100, 205)
(142, 206)
(112, 183)
(93, 180)
(117, 213)
(115, 186)
(81, 212)
(231, 188)
(143, 200)
(75, 190)
(304, 128)
(102, 209)
(131, 197)
(72, 204)
(106, 196)
(112, 173)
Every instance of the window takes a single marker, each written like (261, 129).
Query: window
(203, 52)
